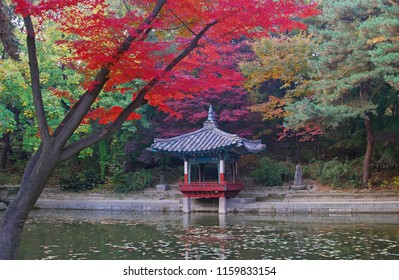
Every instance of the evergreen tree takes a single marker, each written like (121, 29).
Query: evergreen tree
(347, 78)
(382, 32)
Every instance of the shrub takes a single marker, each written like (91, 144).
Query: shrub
(87, 180)
(7, 178)
(332, 173)
(313, 170)
(395, 182)
(271, 173)
(341, 174)
(134, 181)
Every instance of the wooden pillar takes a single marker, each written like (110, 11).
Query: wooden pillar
(200, 172)
(189, 172)
(233, 172)
(186, 170)
(221, 171)
(235, 169)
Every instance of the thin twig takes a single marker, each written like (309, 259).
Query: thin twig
(184, 24)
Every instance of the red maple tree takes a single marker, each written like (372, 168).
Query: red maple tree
(228, 98)
(168, 45)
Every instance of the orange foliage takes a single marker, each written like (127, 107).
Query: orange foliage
(272, 109)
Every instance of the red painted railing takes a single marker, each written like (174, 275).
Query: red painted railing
(210, 189)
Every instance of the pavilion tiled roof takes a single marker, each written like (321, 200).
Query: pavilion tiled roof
(208, 140)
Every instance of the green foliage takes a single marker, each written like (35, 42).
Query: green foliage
(84, 181)
(134, 181)
(388, 157)
(343, 64)
(13, 91)
(308, 111)
(386, 153)
(59, 83)
(103, 157)
(395, 182)
(356, 54)
(8, 178)
(384, 184)
(381, 31)
(272, 173)
(336, 173)
(7, 120)
(313, 169)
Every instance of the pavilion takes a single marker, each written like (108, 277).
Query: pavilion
(206, 154)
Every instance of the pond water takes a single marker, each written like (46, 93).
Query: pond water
(96, 235)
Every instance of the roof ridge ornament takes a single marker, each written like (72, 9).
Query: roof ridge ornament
(211, 114)
(210, 123)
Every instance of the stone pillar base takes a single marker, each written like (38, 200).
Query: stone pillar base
(186, 205)
(222, 205)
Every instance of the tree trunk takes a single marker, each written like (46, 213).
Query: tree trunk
(7, 36)
(35, 177)
(364, 95)
(369, 151)
(6, 149)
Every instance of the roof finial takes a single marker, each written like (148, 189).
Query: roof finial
(211, 114)
(211, 121)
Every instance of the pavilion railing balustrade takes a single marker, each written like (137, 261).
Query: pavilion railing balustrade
(226, 186)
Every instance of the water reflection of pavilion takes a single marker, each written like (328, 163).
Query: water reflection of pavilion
(210, 161)
(214, 238)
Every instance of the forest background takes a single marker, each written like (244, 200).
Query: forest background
(325, 97)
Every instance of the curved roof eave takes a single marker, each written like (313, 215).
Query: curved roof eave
(207, 140)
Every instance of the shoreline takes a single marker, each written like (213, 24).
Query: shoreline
(279, 200)
(342, 207)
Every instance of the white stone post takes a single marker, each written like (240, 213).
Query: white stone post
(186, 205)
(222, 205)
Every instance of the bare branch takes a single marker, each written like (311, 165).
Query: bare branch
(184, 24)
(175, 28)
(127, 7)
(220, 37)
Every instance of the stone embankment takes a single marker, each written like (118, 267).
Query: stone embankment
(315, 201)
(253, 200)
